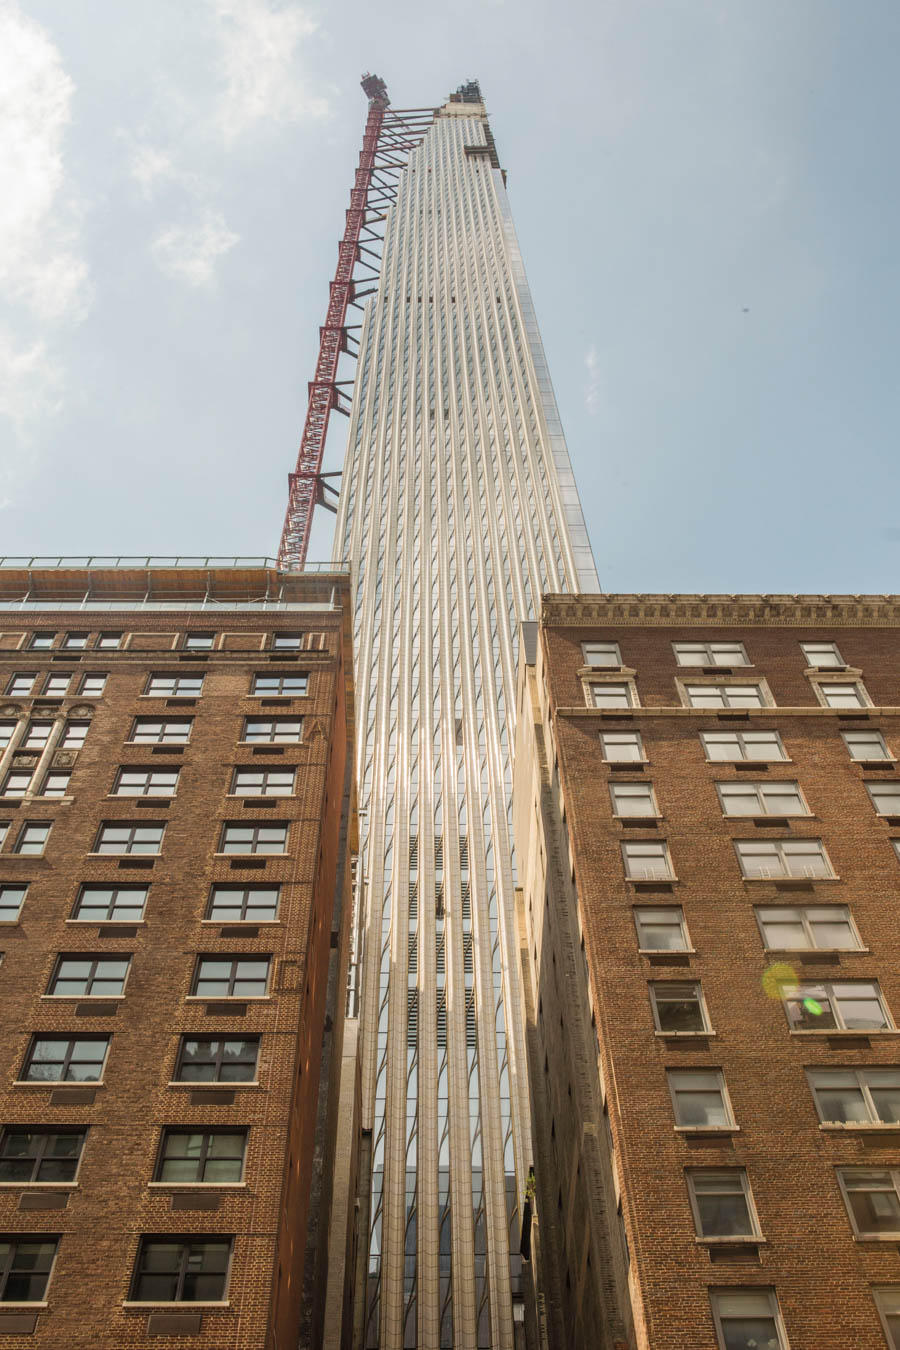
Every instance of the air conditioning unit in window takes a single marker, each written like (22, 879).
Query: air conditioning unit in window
(648, 874)
(812, 872)
(763, 873)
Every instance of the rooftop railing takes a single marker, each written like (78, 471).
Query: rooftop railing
(94, 560)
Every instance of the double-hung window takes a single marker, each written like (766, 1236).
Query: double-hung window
(37, 734)
(722, 1203)
(32, 837)
(21, 684)
(54, 1057)
(856, 1096)
(12, 898)
(243, 904)
(679, 1008)
(842, 694)
(56, 783)
(699, 1099)
(808, 928)
(277, 730)
(231, 977)
(6, 733)
(280, 686)
(127, 838)
(240, 838)
(747, 1319)
(171, 731)
(31, 1155)
(622, 747)
(611, 694)
(199, 642)
(887, 1301)
(725, 695)
(766, 858)
(633, 799)
(201, 1157)
(16, 783)
(872, 1197)
(41, 642)
(110, 904)
(56, 686)
(110, 641)
(885, 798)
(601, 654)
(92, 685)
(661, 929)
(217, 1059)
(175, 686)
(710, 654)
(145, 783)
(74, 735)
(181, 1270)
(89, 976)
(823, 656)
(647, 860)
(287, 642)
(846, 1005)
(866, 746)
(25, 1266)
(761, 799)
(262, 783)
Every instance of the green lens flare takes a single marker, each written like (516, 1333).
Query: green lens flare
(811, 1006)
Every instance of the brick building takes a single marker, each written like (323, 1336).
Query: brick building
(177, 815)
(707, 817)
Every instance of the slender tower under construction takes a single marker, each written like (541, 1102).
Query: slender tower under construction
(458, 509)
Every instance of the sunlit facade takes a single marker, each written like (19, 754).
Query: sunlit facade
(458, 510)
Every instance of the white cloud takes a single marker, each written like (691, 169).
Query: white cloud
(594, 384)
(189, 252)
(43, 276)
(150, 166)
(259, 66)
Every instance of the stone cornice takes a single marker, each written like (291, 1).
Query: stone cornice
(685, 611)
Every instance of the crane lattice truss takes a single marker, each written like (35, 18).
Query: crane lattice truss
(390, 134)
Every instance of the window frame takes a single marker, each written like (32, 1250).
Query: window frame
(820, 684)
(72, 1038)
(632, 737)
(880, 784)
(616, 651)
(176, 680)
(7, 731)
(837, 1014)
(186, 1241)
(75, 641)
(755, 1233)
(755, 1291)
(84, 683)
(274, 738)
(284, 642)
(96, 959)
(885, 1312)
(860, 1072)
(842, 910)
(864, 1235)
(104, 643)
(207, 1131)
(199, 641)
(265, 774)
(635, 788)
(706, 1028)
(234, 977)
(761, 787)
(15, 678)
(713, 683)
(61, 678)
(780, 853)
(220, 1040)
(15, 1241)
(839, 664)
(13, 781)
(116, 891)
(242, 890)
(65, 774)
(727, 1108)
(675, 910)
(14, 886)
(708, 652)
(41, 641)
(887, 758)
(148, 773)
(44, 1133)
(65, 743)
(592, 683)
(163, 723)
(280, 676)
(132, 827)
(255, 827)
(26, 743)
(662, 844)
(23, 831)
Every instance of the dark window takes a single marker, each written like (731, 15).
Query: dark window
(263, 783)
(254, 904)
(11, 900)
(288, 685)
(65, 1059)
(210, 1156)
(25, 1264)
(129, 839)
(174, 731)
(231, 977)
(36, 1154)
(89, 976)
(216, 1059)
(97, 904)
(285, 730)
(32, 837)
(146, 783)
(199, 642)
(93, 685)
(678, 1007)
(254, 838)
(181, 1270)
(175, 686)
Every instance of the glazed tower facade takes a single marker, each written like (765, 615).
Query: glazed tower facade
(458, 510)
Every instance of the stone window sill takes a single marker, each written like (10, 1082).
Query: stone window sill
(56, 1083)
(852, 1126)
(228, 998)
(222, 1086)
(165, 1307)
(82, 998)
(751, 1239)
(203, 1186)
(684, 1035)
(251, 855)
(713, 1130)
(843, 1031)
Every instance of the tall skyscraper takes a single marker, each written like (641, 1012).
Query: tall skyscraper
(458, 510)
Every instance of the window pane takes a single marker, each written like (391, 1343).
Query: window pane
(840, 1096)
(873, 1200)
(843, 695)
(884, 1086)
(722, 1208)
(783, 929)
(866, 745)
(622, 747)
(661, 929)
(632, 799)
(611, 695)
(698, 1098)
(678, 1007)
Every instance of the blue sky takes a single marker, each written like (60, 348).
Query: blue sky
(707, 200)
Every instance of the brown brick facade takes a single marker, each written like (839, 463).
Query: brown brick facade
(101, 1216)
(625, 1263)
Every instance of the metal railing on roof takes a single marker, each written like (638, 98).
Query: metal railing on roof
(159, 561)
